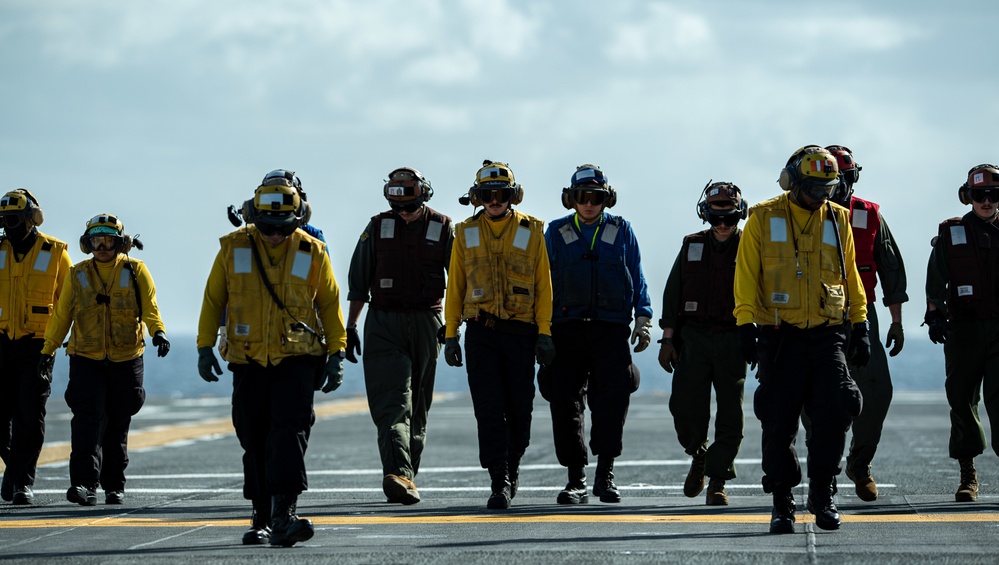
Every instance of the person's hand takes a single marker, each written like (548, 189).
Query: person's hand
(452, 352)
(895, 336)
(544, 350)
(45, 365)
(747, 343)
(206, 363)
(938, 326)
(334, 372)
(162, 344)
(642, 333)
(353, 343)
(859, 351)
(667, 354)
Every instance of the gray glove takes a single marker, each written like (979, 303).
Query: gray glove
(544, 350)
(45, 364)
(642, 333)
(452, 352)
(334, 372)
(206, 363)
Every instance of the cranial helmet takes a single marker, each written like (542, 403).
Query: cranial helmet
(494, 179)
(849, 173)
(588, 181)
(283, 177)
(812, 170)
(979, 177)
(721, 192)
(407, 189)
(277, 205)
(19, 206)
(106, 228)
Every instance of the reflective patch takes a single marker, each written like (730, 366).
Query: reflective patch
(42, 261)
(387, 229)
(123, 278)
(522, 238)
(695, 251)
(478, 293)
(303, 263)
(568, 234)
(266, 200)
(965, 290)
(859, 219)
(690, 306)
(242, 260)
(828, 233)
(778, 230)
(779, 297)
(384, 283)
(434, 229)
(471, 237)
(958, 236)
(81, 277)
(610, 234)
(242, 330)
(3, 258)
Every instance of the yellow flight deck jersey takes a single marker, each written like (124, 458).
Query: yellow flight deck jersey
(500, 267)
(788, 269)
(299, 270)
(100, 303)
(31, 286)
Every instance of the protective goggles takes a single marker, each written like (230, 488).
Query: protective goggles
(268, 230)
(11, 220)
(104, 242)
(409, 207)
(724, 219)
(982, 194)
(588, 196)
(818, 191)
(487, 194)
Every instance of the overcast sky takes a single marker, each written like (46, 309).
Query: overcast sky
(165, 112)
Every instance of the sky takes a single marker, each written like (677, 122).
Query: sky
(165, 112)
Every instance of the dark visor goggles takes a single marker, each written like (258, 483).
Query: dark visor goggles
(588, 196)
(728, 218)
(982, 194)
(268, 230)
(409, 206)
(487, 194)
(819, 191)
(11, 220)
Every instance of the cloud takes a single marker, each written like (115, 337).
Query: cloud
(665, 33)
(453, 67)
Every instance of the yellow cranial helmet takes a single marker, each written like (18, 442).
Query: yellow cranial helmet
(18, 206)
(104, 224)
(813, 170)
(495, 181)
(105, 231)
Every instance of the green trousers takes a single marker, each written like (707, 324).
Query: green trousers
(972, 364)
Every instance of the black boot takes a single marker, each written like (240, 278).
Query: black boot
(259, 532)
(513, 467)
(820, 503)
(782, 517)
(500, 497)
(575, 491)
(286, 527)
(603, 482)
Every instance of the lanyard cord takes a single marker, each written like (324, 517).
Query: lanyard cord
(593, 241)
(794, 239)
(270, 289)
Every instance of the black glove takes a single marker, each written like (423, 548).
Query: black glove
(747, 343)
(162, 344)
(859, 351)
(544, 350)
(895, 336)
(353, 342)
(938, 326)
(207, 362)
(45, 364)
(334, 372)
(452, 352)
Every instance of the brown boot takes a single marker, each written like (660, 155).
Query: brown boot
(398, 488)
(716, 493)
(695, 477)
(867, 490)
(968, 491)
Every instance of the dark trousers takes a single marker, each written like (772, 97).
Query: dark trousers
(592, 366)
(103, 395)
(500, 370)
(22, 408)
(272, 414)
(972, 363)
(709, 360)
(803, 369)
(400, 366)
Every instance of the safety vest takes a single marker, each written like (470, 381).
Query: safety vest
(409, 264)
(866, 222)
(500, 271)
(973, 260)
(590, 284)
(706, 292)
(256, 328)
(106, 322)
(27, 287)
(819, 294)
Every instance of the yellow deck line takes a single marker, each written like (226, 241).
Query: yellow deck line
(133, 522)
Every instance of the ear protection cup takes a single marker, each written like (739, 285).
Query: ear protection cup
(702, 203)
(306, 212)
(964, 194)
(32, 211)
(790, 175)
(83, 245)
(248, 212)
(518, 195)
(566, 200)
(126, 244)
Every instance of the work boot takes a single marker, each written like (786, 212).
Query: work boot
(782, 516)
(820, 503)
(500, 497)
(695, 477)
(400, 489)
(513, 466)
(286, 527)
(7, 489)
(867, 490)
(260, 531)
(82, 495)
(603, 482)
(114, 497)
(22, 495)
(968, 491)
(575, 491)
(716, 493)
